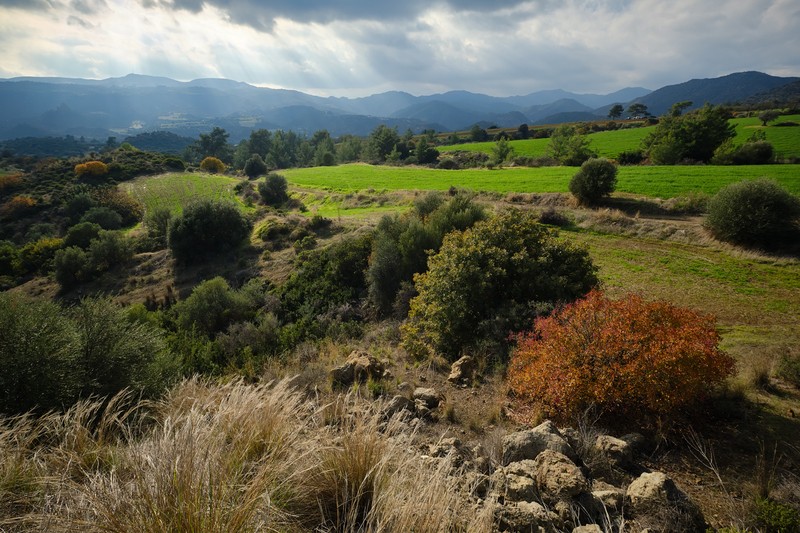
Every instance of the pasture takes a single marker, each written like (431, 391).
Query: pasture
(175, 191)
(660, 182)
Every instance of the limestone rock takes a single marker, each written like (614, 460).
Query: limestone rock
(396, 405)
(558, 477)
(359, 367)
(530, 443)
(525, 517)
(655, 496)
(618, 452)
(428, 396)
(463, 370)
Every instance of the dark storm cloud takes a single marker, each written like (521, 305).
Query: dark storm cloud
(262, 15)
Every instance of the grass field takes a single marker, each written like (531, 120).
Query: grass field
(661, 182)
(785, 140)
(175, 191)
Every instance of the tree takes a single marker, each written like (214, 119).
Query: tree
(501, 151)
(638, 109)
(768, 116)
(255, 166)
(490, 280)
(478, 134)
(214, 144)
(568, 146)
(381, 142)
(596, 178)
(693, 136)
(632, 360)
(207, 228)
(212, 307)
(756, 213)
(424, 152)
(523, 131)
(616, 111)
(274, 190)
(678, 107)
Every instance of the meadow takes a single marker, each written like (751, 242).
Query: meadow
(175, 191)
(785, 140)
(656, 182)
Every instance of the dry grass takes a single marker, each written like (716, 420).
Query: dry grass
(225, 458)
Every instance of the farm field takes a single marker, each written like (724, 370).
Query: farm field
(785, 140)
(662, 182)
(175, 191)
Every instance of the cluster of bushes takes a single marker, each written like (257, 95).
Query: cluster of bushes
(756, 151)
(52, 356)
(297, 231)
(205, 229)
(89, 250)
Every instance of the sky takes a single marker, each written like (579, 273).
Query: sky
(363, 47)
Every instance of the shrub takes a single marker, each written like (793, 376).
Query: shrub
(10, 182)
(71, 266)
(207, 228)
(596, 178)
(490, 280)
(273, 190)
(630, 157)
(82, 234)
(105, 217)
(255, 166)
(157, 223)
(125, 205)
(212, 165)
(91, 168)
(17, 206)
(631, 359)
(9, 258)
(108, 250)
(38, 256)
(754, 213)
(212, 307)
(568, 146)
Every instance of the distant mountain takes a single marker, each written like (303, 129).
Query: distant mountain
(135, 104)
(728, 89)
(782, 96)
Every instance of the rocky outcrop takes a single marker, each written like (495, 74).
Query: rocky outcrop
(654, 497)
(530, 443)
(359, 367)
(463, 371)
(557, 477)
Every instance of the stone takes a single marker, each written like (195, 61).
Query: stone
(525, 517)
(618, 452)
(427, 395)
(463, 370)
(591, 528)
(520, 488)
(558, 477)
(655, 496)
(530, 443)
(359, 367)
(396, 405)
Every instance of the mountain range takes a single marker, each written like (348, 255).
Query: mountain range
(38, 106)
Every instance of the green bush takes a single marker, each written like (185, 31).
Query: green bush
(212, 307)
(596, 179)
(82, 234)
(273, 190)
(38, 256)
(776, 516)
(491, 280)
(71, 266)
(207, 228)
(758, 213)
(105, 217)
(569, 147)
(108, 250)
(157, 223)
(255, 166)
(212, 165)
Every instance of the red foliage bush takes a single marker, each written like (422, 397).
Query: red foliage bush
(644, 361)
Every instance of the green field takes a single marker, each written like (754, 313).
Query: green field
(175, 191)
(661, 182)
(785, 140)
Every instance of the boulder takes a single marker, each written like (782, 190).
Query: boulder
(655, 496)
(428, 396)
(520, 488)
(557, 477)
(617, 452)
(463, 370)
(396, 405)
(591, 528)
(359, 367)
(525, 517)
(530, 443)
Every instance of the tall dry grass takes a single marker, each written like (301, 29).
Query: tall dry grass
(225, 458)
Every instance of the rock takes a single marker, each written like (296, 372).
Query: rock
(396, 405)
(526, 468)
(421, 409)
(655, 496)
(525, 517)
(558, 477)
(429, 396)
(636, 441)
(463, 370)
(618, 452)
(530, 443)
(612, 498)
(520, 488)
(478, 483)
(359, 367)
(591, 528)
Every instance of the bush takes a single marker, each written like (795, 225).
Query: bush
(17, 206)
(569, 147)
(756, 213)
(108, 250)
(38, 256)
(255, 166)
(630, 157)
(91, 168)
(207, 228)
(596, 178)
(631, 359)
(71, 266)
(82, 234)
(105, 217)
(212, 307)
(212, 165)
(157, 223)
(125, 205)
(490, 280)
(273, 190)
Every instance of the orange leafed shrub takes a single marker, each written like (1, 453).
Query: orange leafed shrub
(645, 361)
(10, 181)
(92, 168)
(17, 205)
